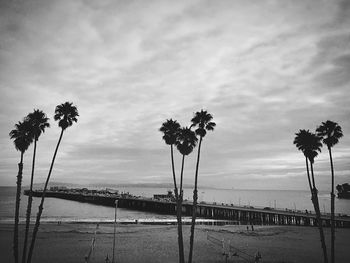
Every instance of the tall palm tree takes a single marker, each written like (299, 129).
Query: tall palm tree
(331, 133)
(22, 139)
(186, 142)
(310, 144)
(203, 122)
(38, 122)
(170, 129)
(66, 114)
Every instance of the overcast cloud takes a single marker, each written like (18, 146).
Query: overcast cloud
(263, 69)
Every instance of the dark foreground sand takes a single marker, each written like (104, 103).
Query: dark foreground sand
(158, 243)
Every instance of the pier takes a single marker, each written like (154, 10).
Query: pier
(237, 214)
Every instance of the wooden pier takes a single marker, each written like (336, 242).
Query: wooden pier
(238, 214)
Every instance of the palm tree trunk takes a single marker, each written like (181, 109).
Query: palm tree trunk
(315, 203)
(182, 257)
(179, 231)
(332, 209)
(194, 207)
(41, 206)
(18, 200)
(173, 168)
(178, 211)
(308, 174)
(29, 207)
(312, 176)
(182, 173)
(318, 217)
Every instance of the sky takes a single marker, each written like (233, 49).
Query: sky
(263, 69)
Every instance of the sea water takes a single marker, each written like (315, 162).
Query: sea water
(71, 211)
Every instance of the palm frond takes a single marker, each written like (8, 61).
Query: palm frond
(66, 114)
(331, 132)
(202, 120)
(170, 129)
(309, 143)
(210, 126)
(39, 123)
(22, 136)
(186, 141)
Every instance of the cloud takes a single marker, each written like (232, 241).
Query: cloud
(264, 70)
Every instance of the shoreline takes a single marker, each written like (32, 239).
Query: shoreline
(139, 221)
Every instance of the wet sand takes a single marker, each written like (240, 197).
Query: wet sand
(70, 242)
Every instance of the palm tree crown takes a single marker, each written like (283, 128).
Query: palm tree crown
(330, 132)
(21, 135)
(170, 128)
(186, 141)
(39, 122)
(309, 143)
(66, 114)
(203, 119)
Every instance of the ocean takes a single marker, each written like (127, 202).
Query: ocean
(71, 211)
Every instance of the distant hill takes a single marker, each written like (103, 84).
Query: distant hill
(146, 185)
(115, 186)
(140, 185)
(41, 185)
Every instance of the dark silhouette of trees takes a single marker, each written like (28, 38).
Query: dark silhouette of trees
(66, 114)
(339, 188)
(38, 122)
(22, 139)
(343, 188)
(203, 122)
(170, 129)
(331, 132)
(185, 140)
(310, 144)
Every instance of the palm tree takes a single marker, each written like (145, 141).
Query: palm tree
(22, 140)
(310, 144)
(38, 122)
(170, 129)
(202, 120)
(66, 114)
(186, 141)
(331, 133)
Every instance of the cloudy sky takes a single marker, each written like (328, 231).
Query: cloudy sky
(263, 69)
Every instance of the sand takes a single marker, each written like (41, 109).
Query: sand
(70, 242)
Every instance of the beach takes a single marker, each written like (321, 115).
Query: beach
(136, 243)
